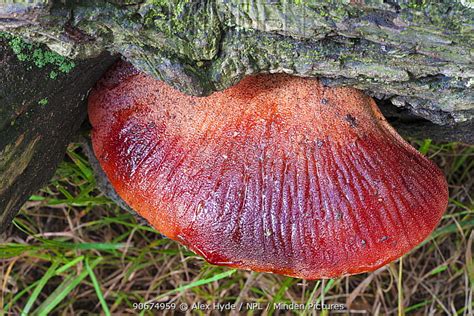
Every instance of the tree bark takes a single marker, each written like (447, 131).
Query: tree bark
(418, 55)
(43, 105)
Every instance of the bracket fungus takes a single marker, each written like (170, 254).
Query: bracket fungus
(276, 174)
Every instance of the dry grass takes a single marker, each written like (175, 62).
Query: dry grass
(73, 252)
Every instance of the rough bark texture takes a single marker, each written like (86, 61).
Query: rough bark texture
(409, 125)
(418, 56)
(42, 105)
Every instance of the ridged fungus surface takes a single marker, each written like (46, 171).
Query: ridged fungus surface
(277, 174)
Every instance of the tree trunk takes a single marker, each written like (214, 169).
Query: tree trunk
(416, 54)
(43, 105)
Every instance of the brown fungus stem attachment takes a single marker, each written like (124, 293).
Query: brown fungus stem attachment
(277, 174)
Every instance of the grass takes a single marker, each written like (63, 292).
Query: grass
(73, 251)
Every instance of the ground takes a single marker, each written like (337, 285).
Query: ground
(72, 251)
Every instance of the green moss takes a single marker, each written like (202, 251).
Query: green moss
(53, 75)
(19, 46)
(415, 4)
(38, 56)
(167, 16)
(43, 101)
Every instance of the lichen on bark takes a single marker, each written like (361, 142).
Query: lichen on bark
(418, 55)
(39, 115)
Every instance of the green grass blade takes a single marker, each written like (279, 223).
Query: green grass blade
(416, 306)
(401, 310)
(425, 147)
(36, 292)
(69, 265)
(466, 224)
(11, 250)
(62, 291)
(311, 297)
(98, 291)
(439, 269)
(82, 165)
(86, 246)
(325, 290)
(279, 295)
(197, 283)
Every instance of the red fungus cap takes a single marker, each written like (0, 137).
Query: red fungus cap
(277, 174)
